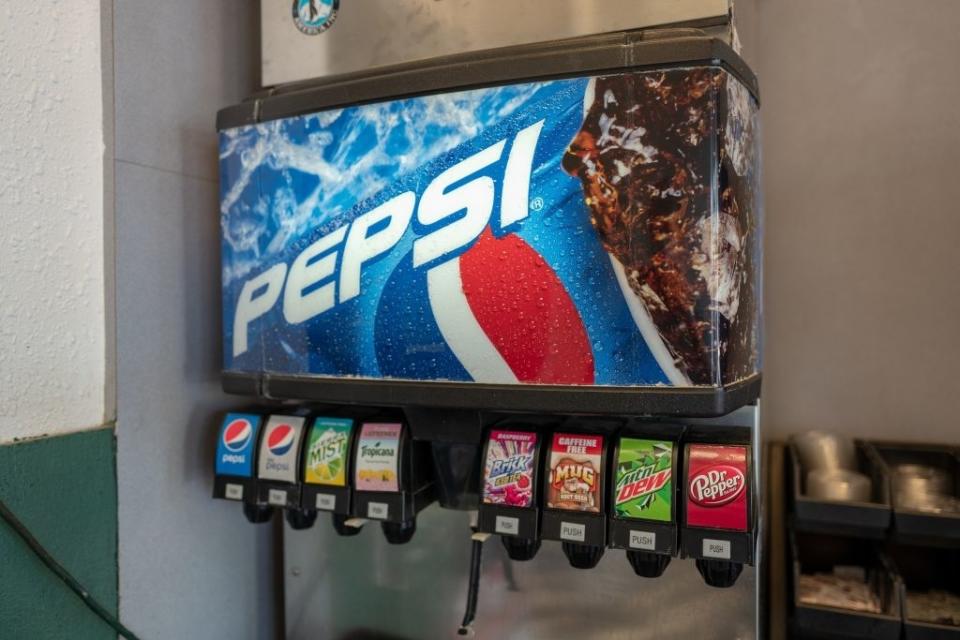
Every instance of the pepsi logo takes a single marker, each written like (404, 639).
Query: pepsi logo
(237, 435)
(497, 313)
(717, 485)
(280, 439)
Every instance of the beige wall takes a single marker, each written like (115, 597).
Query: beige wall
(861, 117)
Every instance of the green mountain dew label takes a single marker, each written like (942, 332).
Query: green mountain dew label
(644, 486)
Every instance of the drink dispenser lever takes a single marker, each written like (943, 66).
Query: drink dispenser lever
(574, 490)
(278, 468)
(509, 491)
(326, 467)
(235, 466)
(392, 478)
(643, 510)
(718, 510)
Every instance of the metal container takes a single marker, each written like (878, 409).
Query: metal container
(838, 484)
(825, 450)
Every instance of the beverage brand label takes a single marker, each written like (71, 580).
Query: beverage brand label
(279, 450)
(327, 452)
(560, 232)
(717, 495)
(576, 472)
(378, 457)
(237, 444)
(644, 481)
(508, 474)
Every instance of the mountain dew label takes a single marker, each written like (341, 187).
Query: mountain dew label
(644, 487)
(327, 454)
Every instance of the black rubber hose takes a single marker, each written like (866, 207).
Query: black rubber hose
(21, 530)
(473, 591)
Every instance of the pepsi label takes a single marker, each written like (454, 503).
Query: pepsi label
(565, 232)
(237, 444)
(279, 449)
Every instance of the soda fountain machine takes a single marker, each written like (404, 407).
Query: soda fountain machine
(503, 303)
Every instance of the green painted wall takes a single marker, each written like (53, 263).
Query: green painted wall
(64, 490)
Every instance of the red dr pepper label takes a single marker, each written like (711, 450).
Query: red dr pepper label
(575, 472)
(717, 487)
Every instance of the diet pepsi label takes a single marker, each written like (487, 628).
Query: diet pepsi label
(279, 449)
(237, 444)
(442, 238)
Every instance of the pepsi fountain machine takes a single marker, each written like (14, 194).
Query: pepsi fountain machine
(491, 288)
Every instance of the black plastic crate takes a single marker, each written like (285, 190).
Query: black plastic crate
(812, 553)
(923, 569)
(860, 519)
(913, 526)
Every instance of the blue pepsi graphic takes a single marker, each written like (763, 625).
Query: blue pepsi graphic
(237, 444)
(432, 238)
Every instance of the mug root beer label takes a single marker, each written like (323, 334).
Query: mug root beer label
(575, 472)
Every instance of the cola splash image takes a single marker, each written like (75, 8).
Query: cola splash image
(648, 152)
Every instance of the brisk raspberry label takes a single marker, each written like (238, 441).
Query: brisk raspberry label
(575, 472)
(717, 495)
(508, 475)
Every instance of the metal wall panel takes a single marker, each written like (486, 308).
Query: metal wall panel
(371, 33)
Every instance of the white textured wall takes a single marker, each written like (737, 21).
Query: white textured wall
(52, 320)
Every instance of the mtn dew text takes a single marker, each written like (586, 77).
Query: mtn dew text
(644, 480)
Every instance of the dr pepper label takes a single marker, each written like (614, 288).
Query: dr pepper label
(717, 492)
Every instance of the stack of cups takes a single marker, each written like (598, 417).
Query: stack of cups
(829, 461)
(924, 488)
